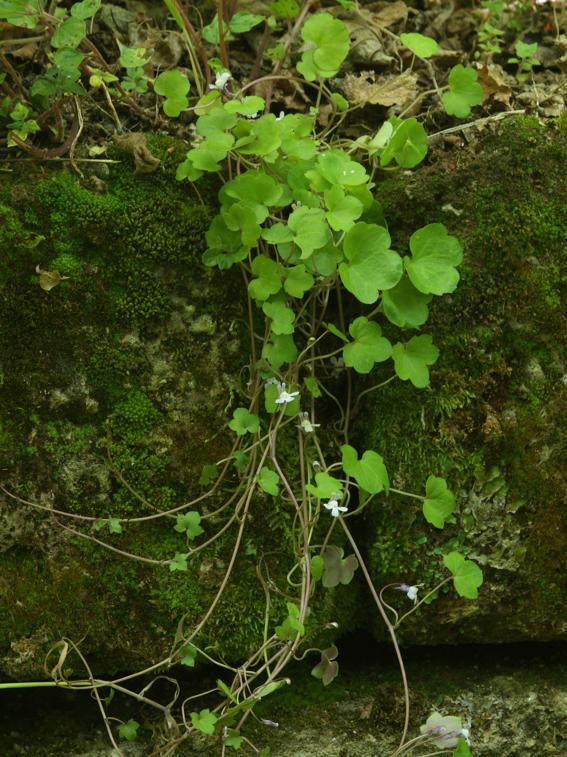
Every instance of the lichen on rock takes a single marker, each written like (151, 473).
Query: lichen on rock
(491, 421)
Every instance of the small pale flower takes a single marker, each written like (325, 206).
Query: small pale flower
(334, 507)
(445, 730)
(281, 116)
(306, 425)
(410, 591)
(221, 80)
(284, 396)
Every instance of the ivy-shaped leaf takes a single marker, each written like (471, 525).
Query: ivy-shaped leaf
(467, 576)
(285, 8)
(338, 570)
(269, 278)
(129, 731)
(261, 137)
(371, 265)
(189, 523)
(209, 472)
(369, 472)
(240, 217)
(312, 386)
(174, 86)
(278, 233)
(464, 91)
(407, 146)
(281, 316)
(411, 360)
(297, 281)
(310, 229)
(204, 721)
(85, 9)
(248, 106)
(439, 503)
(369, 346)
(435, 254)
(329, 38)
(280, 350)
(342, 210)
(244, 422)
(291, 626)
(317, 567)
(232, 738)
(325, 486)
(269, 481)
(114, 526)
(340, 170)
(179, 562)
(328, 668)
(423, 47)
(70, 33)
(405, 306)
(188, 655)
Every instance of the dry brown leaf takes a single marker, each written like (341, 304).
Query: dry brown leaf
(495, 82)
(364, 89)
(48, 280)
(391, 14)
(135, 144)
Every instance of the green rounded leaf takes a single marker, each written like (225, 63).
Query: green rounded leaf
(369, 346)
(408, 145)
(269, 278)
(129, 730)
(174, 86)
(371, 265)
(423, 47)
(435, 254)
(439, 503)
(464, 92)
(281, 316)
(280, 350)
(244, 422)
(369, 472)
(85, 9)
(342, 210)
(341, 170)
(248, 106)
(297, 281)
(329, 42)
(269, 481)
(411, 360)
(325, 486)
(310, 229)
(467, 576)
(405, 306)
(189, 523)
(69, 33)
(204, 721)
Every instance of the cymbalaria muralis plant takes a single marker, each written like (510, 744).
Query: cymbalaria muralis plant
(297, 216)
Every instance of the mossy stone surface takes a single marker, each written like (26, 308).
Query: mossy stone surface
(115, 391)
(492, 421)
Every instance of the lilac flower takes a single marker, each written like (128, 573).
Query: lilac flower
(221, 81)
(334, 507)
(410, 591)
(284, 396)
(306, 425)
(446, 730)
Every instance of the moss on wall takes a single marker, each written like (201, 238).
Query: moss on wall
(491, 421)
(114, 388)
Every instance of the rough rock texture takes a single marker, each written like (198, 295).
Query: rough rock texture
(115, 389)
(493, 419)
(514, 699)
